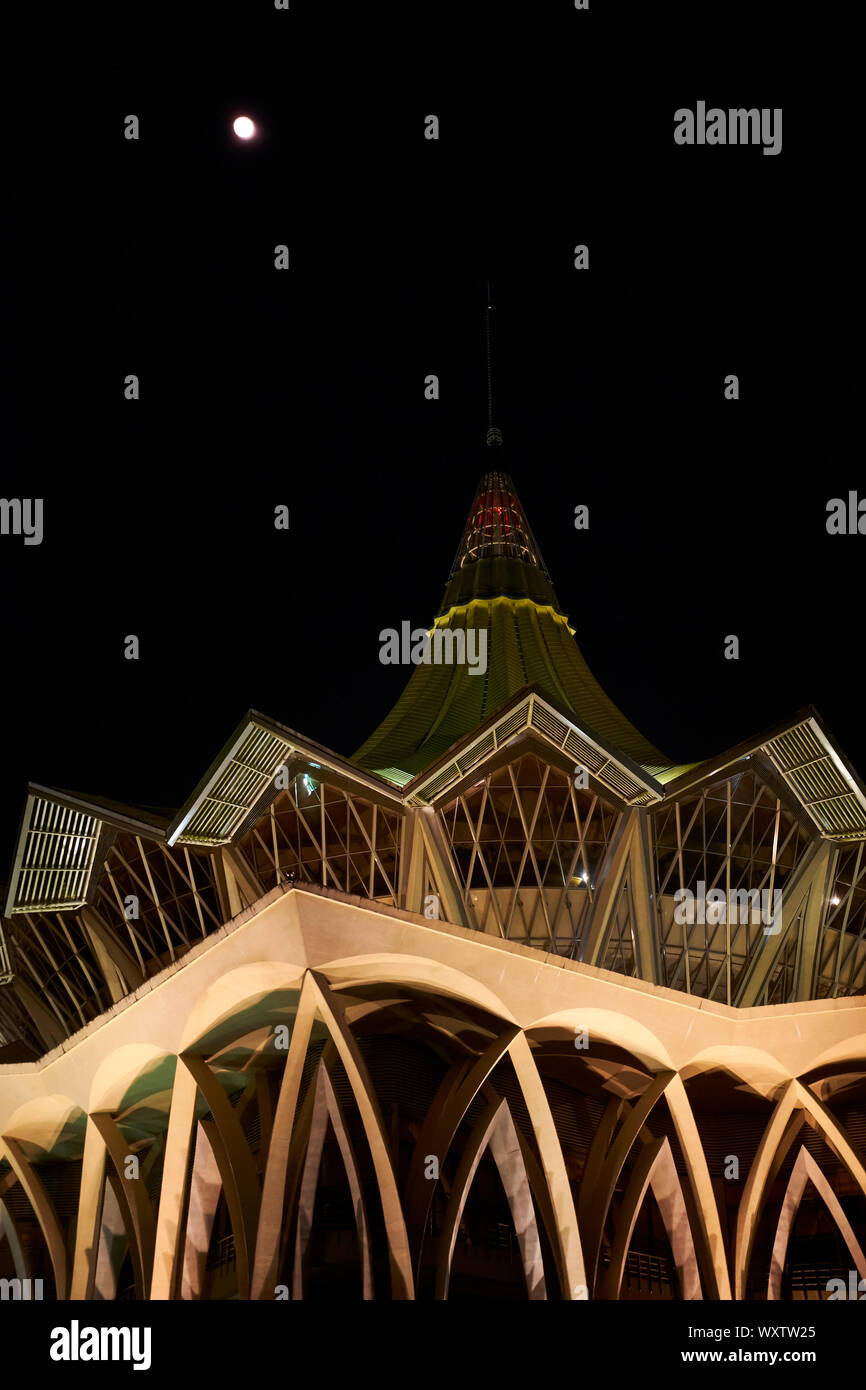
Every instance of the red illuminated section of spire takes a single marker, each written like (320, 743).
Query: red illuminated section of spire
(497, 527)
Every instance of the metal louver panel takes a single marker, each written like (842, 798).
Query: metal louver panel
(234, 788)
(544, 719)
(619, 781)
(55, 858)
(820, 781)
(478, 751)
(444, 779)
(518, 719)
(583, 752)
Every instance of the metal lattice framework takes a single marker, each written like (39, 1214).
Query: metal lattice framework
(445, 802)
(620, 951)
(732, 835)
(842, 949)
(149, 906)
(316, 833)
(175, 895)
(528, 847)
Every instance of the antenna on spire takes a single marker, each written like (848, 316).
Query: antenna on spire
(494, 436)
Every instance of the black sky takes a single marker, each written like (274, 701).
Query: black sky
(306, 387)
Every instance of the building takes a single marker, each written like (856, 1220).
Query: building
(492, 1009)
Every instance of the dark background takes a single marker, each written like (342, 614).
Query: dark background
(306, 387)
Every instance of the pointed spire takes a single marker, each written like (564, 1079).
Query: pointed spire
(494, 435)
(499, 584)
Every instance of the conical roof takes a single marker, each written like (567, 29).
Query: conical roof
(500, 585)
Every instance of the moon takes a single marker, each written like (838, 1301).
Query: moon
(244, 128)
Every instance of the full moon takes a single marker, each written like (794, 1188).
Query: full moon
(244, 128)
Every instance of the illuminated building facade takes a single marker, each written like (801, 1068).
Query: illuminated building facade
(484, 1011)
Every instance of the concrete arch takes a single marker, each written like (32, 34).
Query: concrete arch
(417, 972)
(495, 1130)
(327, 1109)
(708, 1234)
(655, 1172)
(236, 991)
(795, 1096)
(113, 1246)
(456, 1093)
(605, 1165)
(235, 1163)
(616, 1028)
(44, 1211)
(40, 1123)
(752, 1065)
(118, 1074)
(9, 1232)
(849, 1050)
(205, 1189)
(318, 999)
(807, 1170)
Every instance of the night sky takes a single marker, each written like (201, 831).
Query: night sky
(306, 387)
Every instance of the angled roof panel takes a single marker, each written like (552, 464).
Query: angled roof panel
(244, 770)
(232, 786)
(811, 765)
(529, 711)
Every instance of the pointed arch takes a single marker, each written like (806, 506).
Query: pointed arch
(655, 1171)
(565, 1233)
(265, 1265)
(168, 1239)
(9, 1231)
(326, 1107)
(495, 1130)
(135, 1203)
(204, 1194)
(599, 1196)
(807, 1170)
(44, 1210)
(113, 1244)
(331, 1008)
(236, 1165)
(753, 1193)
(454, 1097)
(708, 1227)
(796, 1095)
(89, 1215)
(823, 1119)
(317, 999)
